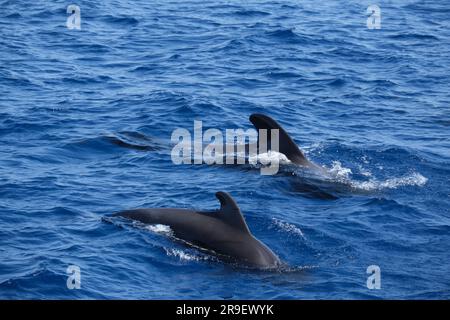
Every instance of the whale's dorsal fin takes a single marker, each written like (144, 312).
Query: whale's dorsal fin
(286, 145)
(230, 213)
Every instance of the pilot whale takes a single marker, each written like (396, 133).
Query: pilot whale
(223, 231)
(286, 145)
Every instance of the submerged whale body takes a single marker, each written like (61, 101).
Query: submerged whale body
(223, 231)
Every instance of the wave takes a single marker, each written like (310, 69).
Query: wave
(251, 13)
(287, 35)
(414, 36)
(122, 20)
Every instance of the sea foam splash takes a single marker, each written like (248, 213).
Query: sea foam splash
(343, 174)
(270, 157)
(159, 228)
(287, 227)
(414, 179)
(186, 256)
(339, 172)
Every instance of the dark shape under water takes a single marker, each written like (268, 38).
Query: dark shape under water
(133, 140)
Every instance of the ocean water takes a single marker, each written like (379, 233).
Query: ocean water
(86, 118)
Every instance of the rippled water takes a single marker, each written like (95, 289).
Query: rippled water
(86, 118)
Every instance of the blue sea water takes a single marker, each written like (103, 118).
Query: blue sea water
(86, 118)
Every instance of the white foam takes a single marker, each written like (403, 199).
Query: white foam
(414, 179)
(365, 160)
(269, 157)
(287, 227)
(180, 254)
(343, 174)
(365, 172)
(339, 172)
(159, 228)
(184, 255)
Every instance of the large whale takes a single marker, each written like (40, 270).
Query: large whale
(223, 231)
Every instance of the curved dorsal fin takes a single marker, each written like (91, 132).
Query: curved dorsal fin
(230, 213)
(286, 145)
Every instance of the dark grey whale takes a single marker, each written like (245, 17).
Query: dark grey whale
(287, 146)
(223, 231)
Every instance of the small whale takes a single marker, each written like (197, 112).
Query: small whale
(223, 231)
(312, 180)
